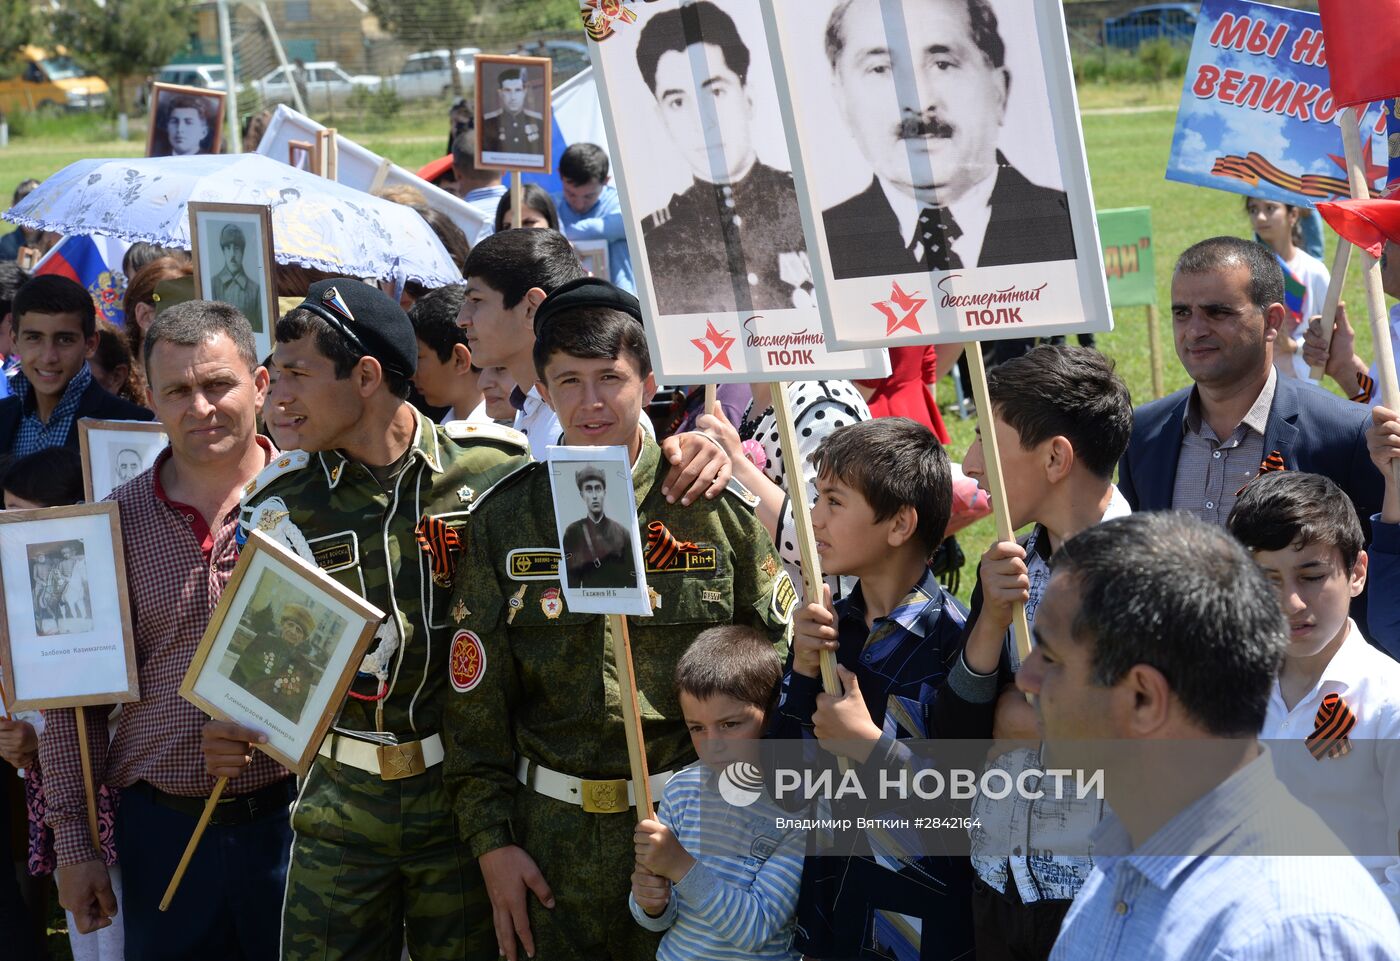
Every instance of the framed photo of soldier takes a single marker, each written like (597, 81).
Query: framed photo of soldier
(514, 120)
(185, 121)
(712, 212)
(66, 638)
(947, 194)
(280, 651)
(595, 511)
(116, 451)
(231, 246)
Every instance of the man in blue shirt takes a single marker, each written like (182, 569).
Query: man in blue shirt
(1156, 647)
(589, 208)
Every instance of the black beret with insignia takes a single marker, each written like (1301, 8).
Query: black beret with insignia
(369, 320)
(586, 292)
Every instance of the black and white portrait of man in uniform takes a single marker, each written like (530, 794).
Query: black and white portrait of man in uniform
(926, 111)
(512, 128)
(731, 241)
(597, 549)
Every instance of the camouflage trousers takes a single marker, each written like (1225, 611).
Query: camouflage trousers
(376, 861)
(587, 860)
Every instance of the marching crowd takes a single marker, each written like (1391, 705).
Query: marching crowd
(1235, 582)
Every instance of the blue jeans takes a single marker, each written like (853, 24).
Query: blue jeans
(229, 905)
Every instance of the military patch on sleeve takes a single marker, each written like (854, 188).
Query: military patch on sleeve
(533, 564)
(466, 662)
(784, 598)
(697, 559)
(335, 552)
(737, 488)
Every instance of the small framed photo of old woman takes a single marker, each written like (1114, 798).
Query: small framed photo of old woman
(280, 651)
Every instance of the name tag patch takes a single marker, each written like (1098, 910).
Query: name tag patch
(698, 559)
(335, 552)
(533, 564)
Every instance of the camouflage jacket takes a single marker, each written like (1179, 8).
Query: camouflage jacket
(538, 680)
(398, 549)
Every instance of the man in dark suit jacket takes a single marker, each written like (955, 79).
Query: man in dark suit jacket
(1227, 307)
(55, 334)
(927, 113)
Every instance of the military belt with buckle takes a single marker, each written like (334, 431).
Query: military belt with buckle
(596, 796)
(392, 762)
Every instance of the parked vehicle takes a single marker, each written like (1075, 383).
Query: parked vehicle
(326, 84)
(50, 80)
(429, 74)
(207, 76)
(570, 56)
(1174, 21)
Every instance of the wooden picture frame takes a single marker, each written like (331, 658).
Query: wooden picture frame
(65, 615)
(106, 461)
(535, 128)
(593, 254)
(168, 97)
(208, 221)
(289, 689)
(302, 155)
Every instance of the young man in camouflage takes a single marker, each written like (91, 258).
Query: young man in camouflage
(375, 497)
(536, 756)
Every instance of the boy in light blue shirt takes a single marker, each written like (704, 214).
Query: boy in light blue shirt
(589, 208)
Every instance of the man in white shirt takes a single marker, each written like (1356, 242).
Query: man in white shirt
(1334, 711)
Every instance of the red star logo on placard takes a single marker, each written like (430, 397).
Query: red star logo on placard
(1371, 172)
(721, 344)
(901, 310)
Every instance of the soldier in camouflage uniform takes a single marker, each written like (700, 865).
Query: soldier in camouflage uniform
(375, 857)
(536, 755)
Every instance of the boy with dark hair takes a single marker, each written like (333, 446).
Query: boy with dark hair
(1062, 417)
(1304, 533)
(536, 755)
(49, 477)
(720, 880)
(884, 494)
(589, 208)
(12, 278)
(446, 376)
(55, 326)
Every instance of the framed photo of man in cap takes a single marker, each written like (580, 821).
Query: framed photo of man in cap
(514, 120)
(231, 245)
(595, 511)
(185, 121)
(280, 651)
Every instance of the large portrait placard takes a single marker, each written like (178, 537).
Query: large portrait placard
(65, 616)
(942, 168)
(711, 209)
(280, 650)
(595, 511)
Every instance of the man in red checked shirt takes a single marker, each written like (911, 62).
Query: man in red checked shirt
(178, 524)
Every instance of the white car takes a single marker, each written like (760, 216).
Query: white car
(326, 84)
(429, 74)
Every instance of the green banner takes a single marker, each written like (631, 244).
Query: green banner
(1126, 236)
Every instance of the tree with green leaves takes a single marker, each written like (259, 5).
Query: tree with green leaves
(19, 25)
(124, 39)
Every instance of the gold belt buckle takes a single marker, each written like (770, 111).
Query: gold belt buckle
(604, 797)
(398, 761)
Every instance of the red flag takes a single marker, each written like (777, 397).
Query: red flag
(1360, 38)
(1365, 223)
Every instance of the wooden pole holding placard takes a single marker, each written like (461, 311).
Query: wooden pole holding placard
(333, 154)
(1356, 179)
(991, 454)
(85, 760)
(1154, 349)
(517, 199)
(631, 716)
(802, 522)
(711, 403)
(199, 827)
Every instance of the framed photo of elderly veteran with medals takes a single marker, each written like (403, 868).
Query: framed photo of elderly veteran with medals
(947, 194)
(514, 127)
(595, 511)
(231, 246)
(709, 203)
(280, 651)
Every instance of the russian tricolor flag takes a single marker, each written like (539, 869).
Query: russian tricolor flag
(96, 263)
(578, 118)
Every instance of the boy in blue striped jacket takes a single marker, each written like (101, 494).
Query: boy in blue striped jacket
(713, 871)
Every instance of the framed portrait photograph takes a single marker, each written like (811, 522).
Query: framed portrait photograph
(115, 451)
(185, 121)
(67, 638)
(595, 510)
(712, 211)
(593, 254)
(301, 154)
(280, 650)
(514, 123)
(941, 167)
(233, 262)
